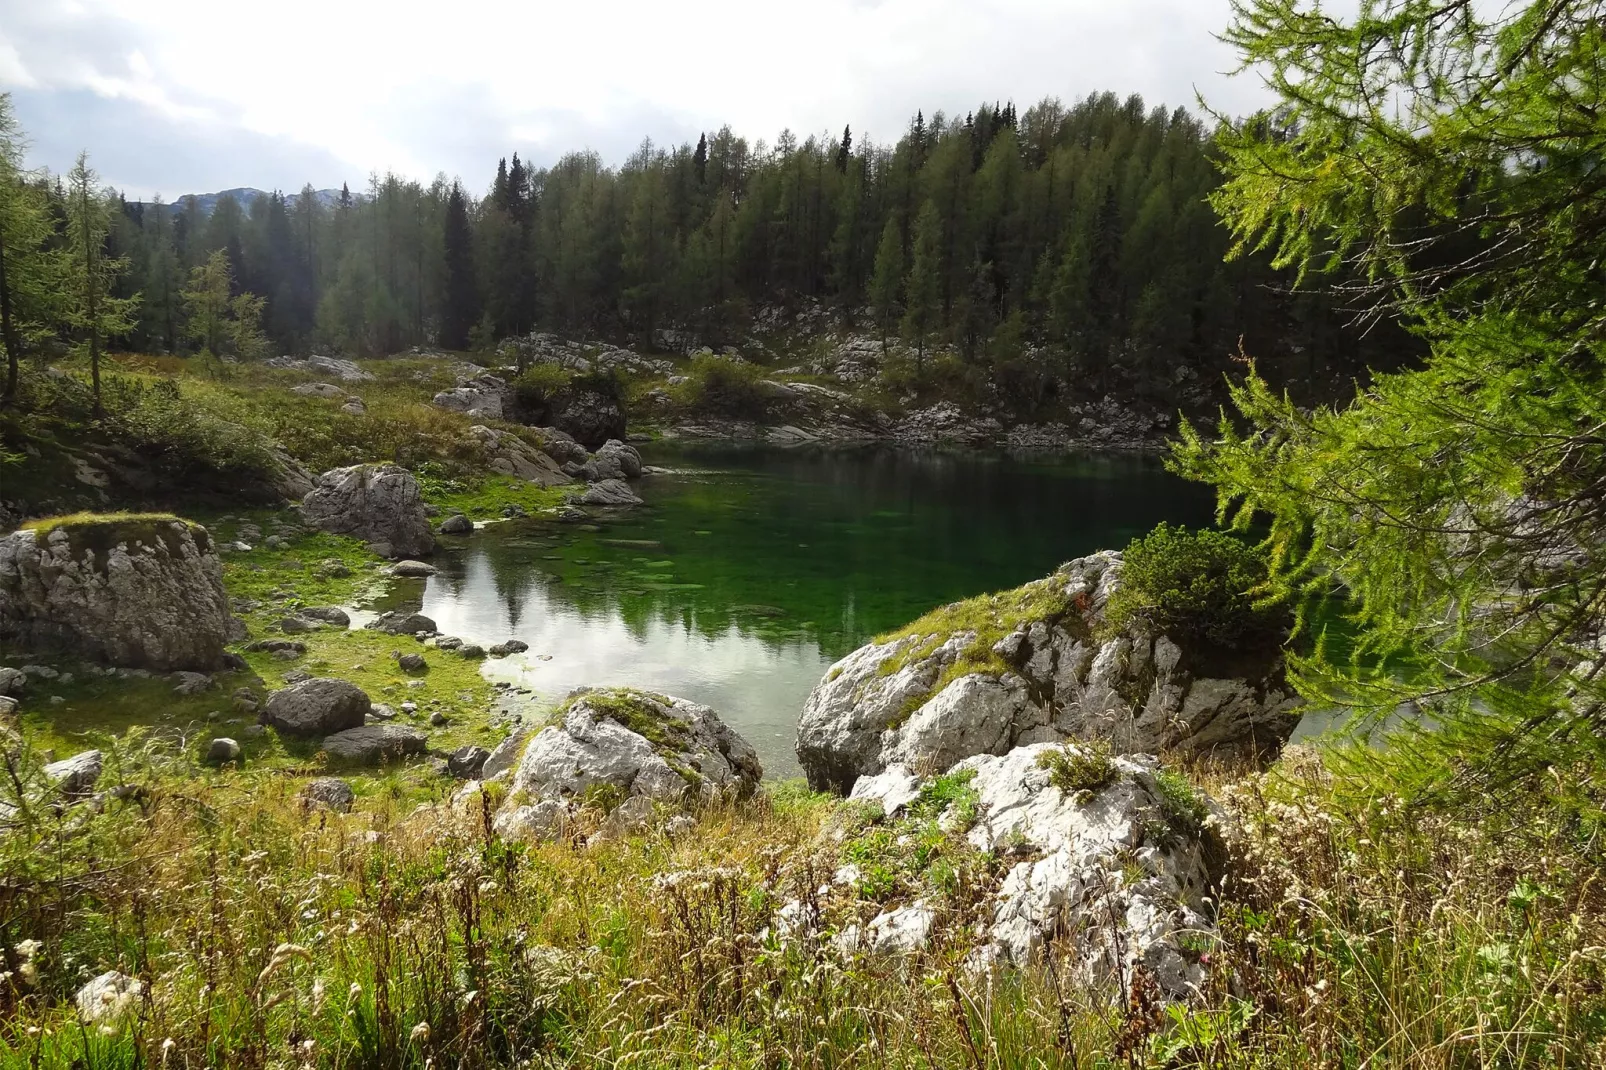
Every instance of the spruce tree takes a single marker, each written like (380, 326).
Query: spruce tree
(699, 158)
(460, 309)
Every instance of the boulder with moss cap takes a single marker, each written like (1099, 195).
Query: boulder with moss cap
(624, 748)
(140, 591)
(1040, 663)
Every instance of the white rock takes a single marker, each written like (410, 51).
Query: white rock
(107, 998)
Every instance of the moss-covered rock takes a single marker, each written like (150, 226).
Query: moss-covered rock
(137, 590)
(627, 752)
(1040, 663)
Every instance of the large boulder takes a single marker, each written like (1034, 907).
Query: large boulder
(1115, 861)
(609, 492)
(512, 456)
(316, 707)
(632, 750)
(378, 503)
(590, 417)
(374, 744)
(1037, 664)
(140, 592)
(482, 396)
(614, 460)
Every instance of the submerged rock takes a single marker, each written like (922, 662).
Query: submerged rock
(614, 746)
(378, 503)
(138, 592)
(1034, 665)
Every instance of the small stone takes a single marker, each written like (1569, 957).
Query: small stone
(412, 569)
(457, 524)
(221, 750)
(511, 646)
(274, 542)
(191, 683)
(466, 762)
(408, 707)
(296, 625)
(412, 663)
(76, 775)
(448, 642)
(331, 793)
(326, 614)
(107, 998)
(438, 719)
(382, 712)
(8, 705)
(471, 651)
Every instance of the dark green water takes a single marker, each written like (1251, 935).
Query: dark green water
(751, 570)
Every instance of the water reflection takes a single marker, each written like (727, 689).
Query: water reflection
(751, 570)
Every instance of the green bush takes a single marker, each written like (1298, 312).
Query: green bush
(538, 384)
(1199, 585)
(723, 387)
(1081, 771)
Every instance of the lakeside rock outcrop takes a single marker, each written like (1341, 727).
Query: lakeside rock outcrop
(138, 592)
(630, 751)
(1038, 664)
(1112, 863)
(378, 503)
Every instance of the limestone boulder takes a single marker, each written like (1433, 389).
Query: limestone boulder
(621, 745)
(510, 455)
(1038, 664)
(378, 503)
(76, 775)
(482, 396)
(136, 592)
(613, 492)
(374, 744)
(319, 706)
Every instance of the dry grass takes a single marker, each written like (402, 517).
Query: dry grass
(268, 935)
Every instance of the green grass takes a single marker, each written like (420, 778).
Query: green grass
(1080, 770)
(637, 711)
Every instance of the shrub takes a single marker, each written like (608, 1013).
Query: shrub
(538, 384)
(1202, 585)
(723, 387)
(1079, 771)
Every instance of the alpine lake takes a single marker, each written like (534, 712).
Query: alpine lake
(750, 570)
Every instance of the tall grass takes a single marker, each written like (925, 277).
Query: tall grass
(266, 934)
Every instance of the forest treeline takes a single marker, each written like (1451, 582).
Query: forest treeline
(1078, 242)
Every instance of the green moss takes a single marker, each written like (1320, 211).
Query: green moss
(1080, 771)
(637, 711)
(483, 497)
(101, 532)
(989, 617)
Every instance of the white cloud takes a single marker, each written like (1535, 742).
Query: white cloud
(421, 88)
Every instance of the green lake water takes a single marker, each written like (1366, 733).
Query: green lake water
(750, 570)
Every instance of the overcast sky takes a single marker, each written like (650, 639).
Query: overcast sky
(193, 96)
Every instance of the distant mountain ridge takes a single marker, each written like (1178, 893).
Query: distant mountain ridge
(247, 195)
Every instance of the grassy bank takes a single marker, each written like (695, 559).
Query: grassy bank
(1355, 934)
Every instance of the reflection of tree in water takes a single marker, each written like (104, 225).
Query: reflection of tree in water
(826, 548)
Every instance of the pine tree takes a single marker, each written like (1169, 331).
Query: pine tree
(844, 151)
(887, 279)
(93, 314)
(699, 158)
(921, 288)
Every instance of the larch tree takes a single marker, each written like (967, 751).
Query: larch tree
(888, 277)
(921, 288)
(30, 267)
(1456, 510)
(206, 303)
(93, 314)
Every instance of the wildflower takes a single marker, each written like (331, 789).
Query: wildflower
(354, 991)
(167, 1049)
(317, 994)
(420, 1034)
